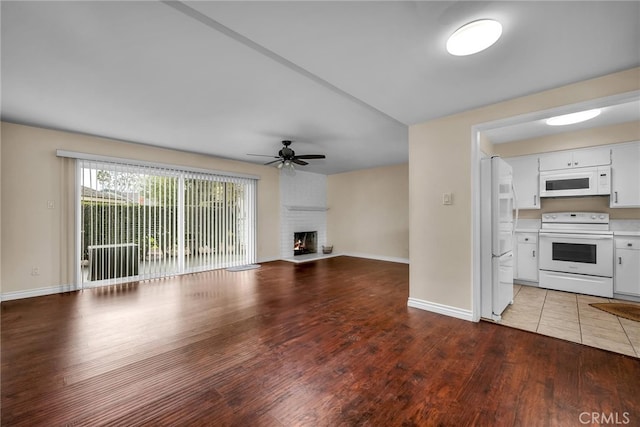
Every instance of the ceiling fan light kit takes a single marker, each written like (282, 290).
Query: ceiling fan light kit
(474, 37)
(287, 167)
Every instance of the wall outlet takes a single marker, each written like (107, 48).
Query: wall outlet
(35, 271)
(447, 198)
(51, 204)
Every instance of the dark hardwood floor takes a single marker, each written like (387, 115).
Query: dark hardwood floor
(326, 343)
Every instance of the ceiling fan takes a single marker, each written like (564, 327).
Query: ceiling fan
(286, 157)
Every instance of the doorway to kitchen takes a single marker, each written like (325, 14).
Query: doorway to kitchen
(586, 321)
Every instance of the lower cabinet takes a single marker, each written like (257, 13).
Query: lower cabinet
(626, 279)
(526, 256)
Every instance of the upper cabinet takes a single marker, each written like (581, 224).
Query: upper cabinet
(625, 175)
(625, 172)
(598, 156)
(525, 181)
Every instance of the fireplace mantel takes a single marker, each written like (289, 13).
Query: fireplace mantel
(307, 208)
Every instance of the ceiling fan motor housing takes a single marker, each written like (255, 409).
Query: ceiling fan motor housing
(287, 155)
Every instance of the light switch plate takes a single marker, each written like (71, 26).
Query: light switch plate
(447, 199)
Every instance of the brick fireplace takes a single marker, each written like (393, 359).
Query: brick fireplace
(303, 210)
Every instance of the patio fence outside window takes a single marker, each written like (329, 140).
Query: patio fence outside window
(144, 222)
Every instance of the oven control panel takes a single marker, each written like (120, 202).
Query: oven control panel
(576, 217)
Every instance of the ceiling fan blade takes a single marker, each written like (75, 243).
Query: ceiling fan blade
(263, 155)
(270, 163)
(299, 162)
(311, 156)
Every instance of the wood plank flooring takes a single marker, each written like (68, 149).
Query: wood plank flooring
(326, 343)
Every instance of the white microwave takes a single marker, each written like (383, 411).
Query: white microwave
(589, 181)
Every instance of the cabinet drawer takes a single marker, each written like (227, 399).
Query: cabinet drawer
(632, 243)
(527, 238)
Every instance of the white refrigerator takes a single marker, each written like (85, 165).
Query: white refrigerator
(498, 223)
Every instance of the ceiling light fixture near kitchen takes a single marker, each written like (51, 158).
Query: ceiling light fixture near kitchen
(569, 119)
(474, 37)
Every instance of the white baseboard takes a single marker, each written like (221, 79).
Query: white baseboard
(314, 257)
(38, 292)
(309, 257)
(447, 310)
(268, 259)
(377, 257)
(626, 297)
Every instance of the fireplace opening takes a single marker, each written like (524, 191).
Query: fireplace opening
(305, 242)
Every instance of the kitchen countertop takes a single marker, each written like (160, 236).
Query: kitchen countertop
(625, 227)
(528, 226)
(625, 233)
(526, 230)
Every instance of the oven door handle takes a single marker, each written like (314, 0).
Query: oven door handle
(578, 236)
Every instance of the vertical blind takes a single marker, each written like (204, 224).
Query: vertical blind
(141, 222)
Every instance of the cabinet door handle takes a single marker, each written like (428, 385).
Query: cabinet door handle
(576, 163)
(620, 260)
(535, 200)
(629, 244)
(569, 164)
(534, 253)
(615, 193)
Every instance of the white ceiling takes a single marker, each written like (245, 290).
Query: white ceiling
(622, 112)
(339, 78)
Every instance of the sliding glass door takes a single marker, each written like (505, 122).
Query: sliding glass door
(141, 222)
(218, 218)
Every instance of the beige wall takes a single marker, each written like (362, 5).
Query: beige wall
(440, 151)
(32, 174)
(369, 212)
(623, 132)
(1, 213)
(486, 146)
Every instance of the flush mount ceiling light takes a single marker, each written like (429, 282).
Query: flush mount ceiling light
(569, 119)
(474, 37)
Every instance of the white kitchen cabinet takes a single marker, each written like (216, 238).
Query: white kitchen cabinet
(556, 160)
(625, 176)
(598, 156)
(526, 256)
(525, 181)
(626, 277)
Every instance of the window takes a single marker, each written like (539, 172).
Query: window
(143, 221)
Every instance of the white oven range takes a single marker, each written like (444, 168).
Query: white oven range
(576, 253)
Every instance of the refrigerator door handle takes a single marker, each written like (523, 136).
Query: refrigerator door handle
(515, 205)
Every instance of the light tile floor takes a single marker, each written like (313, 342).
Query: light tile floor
(570, 317)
